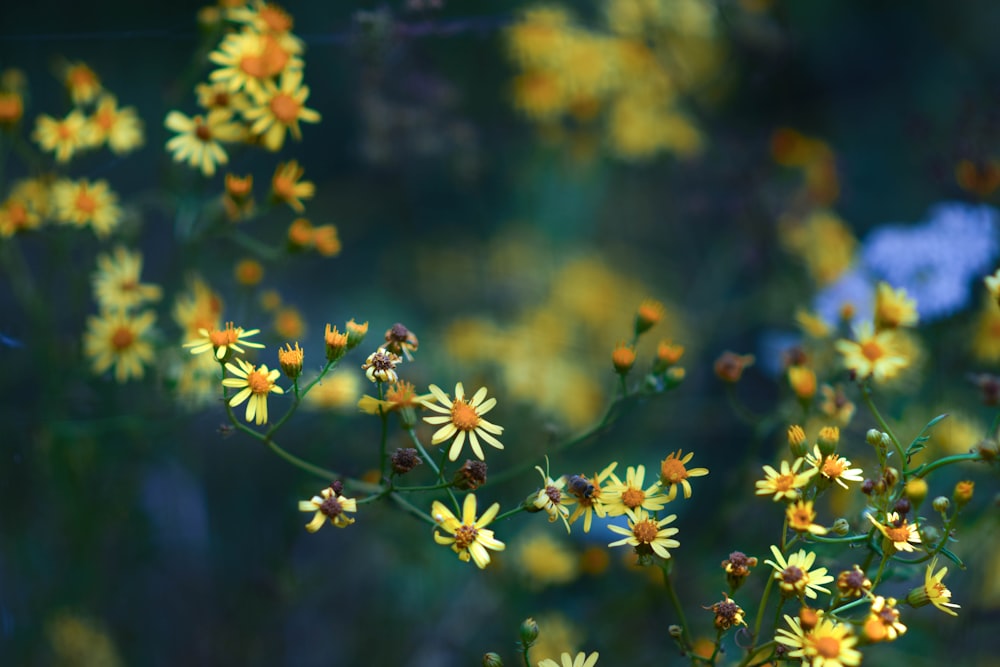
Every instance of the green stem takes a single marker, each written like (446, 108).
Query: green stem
(412, 509)
(760, 613)
(383, 456)
(666, 567)
(434, 466)
(866, 396)
(508, 513)
(926, 468)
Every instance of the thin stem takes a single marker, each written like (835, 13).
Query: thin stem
(926, 468)
(383, 456)
(760, 612)
(866, 396)
(432, 464)
(676, 603)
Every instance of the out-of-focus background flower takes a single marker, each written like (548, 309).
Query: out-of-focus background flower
(509, 180)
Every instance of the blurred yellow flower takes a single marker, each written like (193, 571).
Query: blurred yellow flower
(82, 202)
(567, 660)
(894, 308)
(279, 108)
(784, 485)
(199, 138)
(63, 137)
(224, 341)
(121, 128)
(287, 185)
(116, 281)
(544, 560)
(876, 355)
(121, 340)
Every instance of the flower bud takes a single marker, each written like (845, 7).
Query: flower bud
(988, 450)
(841, 527)
(470, 476)
(492, 660)
(649, 313)
(828, 439)
(355, 333)
(802, 380)
(675, 631)
(963, 493)
(902, 506)
(290, 360)
(623, 358)
(874, 437)
(405, 460)
(916, 490)
(797, 441)
(336, 343)
(528, 632)
(891, 476)
(941, 504)
(730, 366)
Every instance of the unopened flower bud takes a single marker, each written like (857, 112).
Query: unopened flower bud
(963, 493)
(492, 660)
(841, 527)
(828, 439)
(730, 366)
(902, 506)
(797, 441)
(649, 313)
(891, 476)
(868, 487)
(675, 631)
(355, 333)
(916, 490)
(930, 533)
(874, 437)
(470, 476)
(336, 343)
(808, 618)
(528, 632)
(623, 358)
(290, 360)
(941, 504)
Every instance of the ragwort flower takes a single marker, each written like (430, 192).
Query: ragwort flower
(121, 128)
(279, 109)
(835, 468)
(902, 534)
(62, 137)
(647, 534)
(586, 493)
(224, 341)
(463, 417)
(933, 591)
(581, 660)
(629, 497)
(287, 185)
(380, 366)
(800, 516)
(254, 383)
(328, 505)
(199, 138)
(469, 537)
(870, 354)
(828, 644)
(883, 622)
(82, 203)
(119, 339)
(247, 60)
(116, 281)
(673, 473)
(786, 484)
(794, 575)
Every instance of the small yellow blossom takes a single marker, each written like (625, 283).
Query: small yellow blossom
(461, 417)
(882, 624)
(223, 341)
(674, 473)
(802, 380)
(647, 534)
(11, 108)
(835, 405)
(897, 530)
(17, 215)
(268, 19)
(828, 644)
(623, 358)
(82, 83)
(121, 128)
(786, 484)
(248, 272)
(380, 366)
(248, 60)
(795, 576)
(254, 383)
(650, 312)
(291, 360)
(544, 560)
(62, 137)
(629, 497)
(82, 202)
(549, 498)
(279, 109)
(120, 340)
(287, 185)
(933, 591)
(727, 614)
(800, 516)
(469, 536)
(586, 493)
(835, 468)
(876, 355)
(116, 281)
(199, 138)
(567, 660)
(400, 394)
(328, 505)
(218, 96)
(853, 583)
(894, 308)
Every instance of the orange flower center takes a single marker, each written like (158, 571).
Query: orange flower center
(828, 647)
(226, 336)
(801, 518)
(285, 108)
(17, 214)
(220, 99)
(645, 531)
(465, 535)
(672, 471)
(898, 533)
(275, 19)
(784, 482)
(81, 77)
(253, 66)
(86, 202)
(464, 416)
(64, 131)
(633, 498)
(833, 467)
(11, 108)
(258, 382)
(202, 130)
(274, 58)
(128, 285)
(122, 338)
(105, 118)
(872, 351)
(283, 187)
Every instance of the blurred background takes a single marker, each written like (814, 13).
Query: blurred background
(510, 181)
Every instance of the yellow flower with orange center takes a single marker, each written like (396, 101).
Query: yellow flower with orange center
(802, 380)
(116, 281)
(784, 485)
(279, 109)
(62, 137)
(291, 360)
(270, 19)
(834, 468)
(894, 308)
(83, 202)
(800, 516)
(795, 575)
(587, 494)
(16, 216)
(629, 497)
(650, 312)
(11, 108)
(897, 530)
(469, 537)
(883, 622)
(82, 83)
(247, 60)
(223, 341)
(254, 383)
(647, 535)
(287, 186)
(827, 644)
(121, 340)
(463, 418)
(674, 473)
(121, 128)
(933, 591)
(199, 138)
(623, 358)
(870, 354)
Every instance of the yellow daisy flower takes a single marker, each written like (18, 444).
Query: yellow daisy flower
(120, 128)
(197, 308)
(380, 366)
(248, 59)
(279, 108)
(647, 534)
(82, 83)
(119, 339)
(628, 497)
(549, 498)
(62, 137)
(586, 493)
(224, 341)
(674, 473)
(461, 417)
(581, 660)
(871, 354)
(800, 515)
(794, 575)
(933, 591)
(270, 19)
(286, 185)
(828, 644)
(400, 394)
(469, 537)
(835, 468)
(882, 624)
(17, 215)
(198, 138)
(894, 308)
(329, 505)
(116, 281)
(254, 383)
(897, 530)
(218, 96)
(81, 203)
(786, 484)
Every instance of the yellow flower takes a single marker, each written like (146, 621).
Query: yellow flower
(539, 95)
(933, 591)
(673, 473)
(286, 185)
(802, 380)
(62, 137)
(463, 417)
(291, 360)
(254, 383)
(328, 505)
(883, 622)
(469, 537)
(581, 660)
(647, 534)
(116, 281)
(16, 215)
(894, 308)
(198, 138)
(400, 394)
(828, 644)
(875, 355)
(727, 614)
(267, 18)
(586, 493)
(279, 108)
(82, 83)
(835, 468)
(897, 530)
(540, 33)
(794, 575)
(223, 341)
(835, 405)
(81, 203)
(853, 583)
(118, 339)
(811, 324)
(549, 498)
(248, 59)
(197, 308)
(628, 497)
(786, 484)
(120, 128)
(800, 515)
(218, 96)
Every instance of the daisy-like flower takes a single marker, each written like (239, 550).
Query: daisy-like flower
(119, 339)
(897, 530)
(287, 186)
(248, 59)
(254, 383)
(82, 83)
(566, 660)
(16, 215)
(894, 308)
(727, 614)
(853, 583)
(62, 137)
(794, 575)
(270, 19)
(198, 307)
(218, 96)
(800, 515)
(870, 354)
(784, 485)
(828, 644)
(198, 138)
(835, 468)
(469, 537)
(587, 494)
(933, 591)
(647, 534)
(629, 497)
(380, 366)
(82, 203)
(279, 108)
(329, 505)
(674, 473)
(121, 128)
(224, 341)
(463, 417)
(549, 498)
(116, 281)
(882, 624)
(400, 394)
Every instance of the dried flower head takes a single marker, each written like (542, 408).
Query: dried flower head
(727, 613)
(380, 366)
(730, 366)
